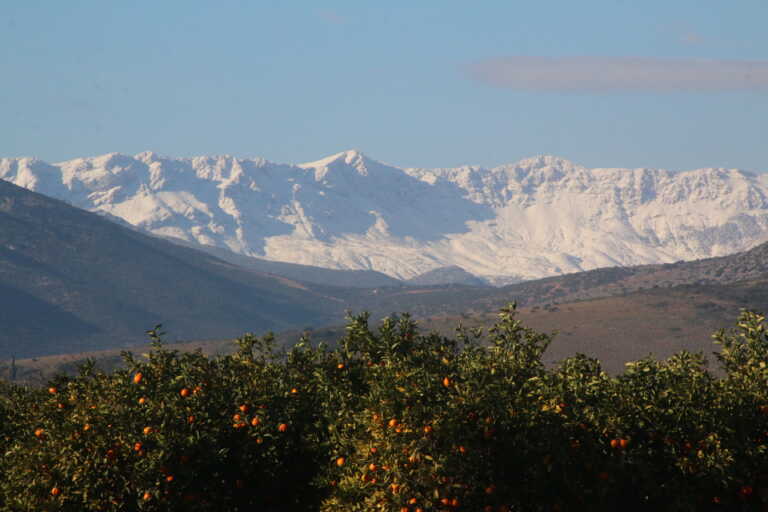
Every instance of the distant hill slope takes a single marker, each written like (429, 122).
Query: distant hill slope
(73, 281)
(657, 321)
(304, 273)
(446, 275)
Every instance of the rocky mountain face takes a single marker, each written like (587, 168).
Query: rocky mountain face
(538, 217)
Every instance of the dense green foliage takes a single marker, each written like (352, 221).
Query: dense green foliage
(395, 420)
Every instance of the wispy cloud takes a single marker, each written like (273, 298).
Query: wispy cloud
(691, 38)
(618, 74)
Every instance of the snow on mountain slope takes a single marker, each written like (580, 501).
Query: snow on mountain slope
(540, 216)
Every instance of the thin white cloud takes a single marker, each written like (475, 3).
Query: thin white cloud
(619, 74)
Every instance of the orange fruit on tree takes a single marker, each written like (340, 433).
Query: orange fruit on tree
(614, 443)
(169, 478)
(294, 391)
(39, 433)
(412, 501)
(624, 443)
(142, 400)
(446, 382)
(282, 427)
(55, 491)
(184, 392)
(340, 366)
(190, 419)
(428, 429)
(392, 423)
(137, 377)
(255, 422)
(244, 408)
(340, 461)
(455, 502)
(146, 496)
(137, 447)
(148, 430)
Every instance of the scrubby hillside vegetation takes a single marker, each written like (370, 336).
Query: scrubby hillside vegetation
(394, 420)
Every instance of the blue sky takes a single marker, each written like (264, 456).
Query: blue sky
(431, 83)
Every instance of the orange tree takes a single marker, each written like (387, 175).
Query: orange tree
(179, 432)
(391, 419)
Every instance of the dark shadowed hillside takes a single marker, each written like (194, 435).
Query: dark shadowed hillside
(72, 281)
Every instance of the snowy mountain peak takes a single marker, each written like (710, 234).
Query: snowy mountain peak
(540, 216)
(349, 157)
(544, 161)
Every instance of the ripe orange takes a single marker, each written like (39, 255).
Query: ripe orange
(55, 491)
(340, 461)
(614, 443)
(146, 496)
(455, 502)
(428, 429)
(148, 430)
(137, 378)
(39, 433)
(340, 366)
(372, 467)
(255, 422)
(624, 443)
(184, 392)
(412, 501)
(282, 427)
(244, 408)
(190, 419)
(169, 478)
(294, 391)
(137, 447)
(142, 400)
(395, 488)
(462, 450)
(237, 417)
(373, 449)
(392, 423)
(490, 489)
(404, 509)
(447, 382)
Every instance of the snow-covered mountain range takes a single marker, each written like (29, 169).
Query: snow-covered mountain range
(538, 217)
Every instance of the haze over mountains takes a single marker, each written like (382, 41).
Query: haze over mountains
(538, 217)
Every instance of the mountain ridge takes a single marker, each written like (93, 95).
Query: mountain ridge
(530, 219)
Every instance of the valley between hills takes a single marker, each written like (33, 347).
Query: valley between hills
(76, 283)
